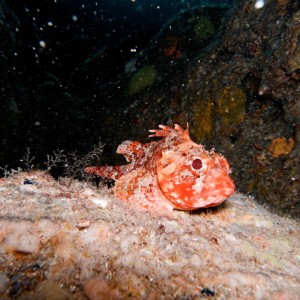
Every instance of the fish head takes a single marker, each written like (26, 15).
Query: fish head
(191, 177)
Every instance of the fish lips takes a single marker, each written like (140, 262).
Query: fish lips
(184, 198)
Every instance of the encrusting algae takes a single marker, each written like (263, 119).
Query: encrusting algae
(281, 146)
(144, 78)
(228, 106)
(231, 103)
(203, 28)
(203, 124)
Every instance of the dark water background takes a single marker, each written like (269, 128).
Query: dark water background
(56, 54)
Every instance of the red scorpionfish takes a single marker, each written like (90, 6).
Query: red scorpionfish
(172, 173)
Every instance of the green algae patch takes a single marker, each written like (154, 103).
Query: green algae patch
(203, 28)
(144, 78)
(231, 103)
(203, 124)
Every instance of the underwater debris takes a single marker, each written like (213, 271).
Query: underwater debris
(29, 181)
(207, 292)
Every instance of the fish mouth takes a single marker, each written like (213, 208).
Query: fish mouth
(214, 198)
(226, 191)
(209, 199)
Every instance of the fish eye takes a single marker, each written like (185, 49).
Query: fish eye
(197, 164)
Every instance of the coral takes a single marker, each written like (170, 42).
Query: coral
(231, 106)
(203, 124)
(203, 28)
(280, 146)
(144, 77)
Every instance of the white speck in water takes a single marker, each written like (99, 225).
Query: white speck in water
(42, 44)
(259, 4)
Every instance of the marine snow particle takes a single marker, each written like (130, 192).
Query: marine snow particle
(42, 44)
(259, 4)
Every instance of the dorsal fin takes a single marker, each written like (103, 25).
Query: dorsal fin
(165, 131)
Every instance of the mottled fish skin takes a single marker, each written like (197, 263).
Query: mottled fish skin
(173, 172)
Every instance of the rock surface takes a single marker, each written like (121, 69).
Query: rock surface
(79, 242)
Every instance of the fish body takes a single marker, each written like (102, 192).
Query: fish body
(171, 173)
